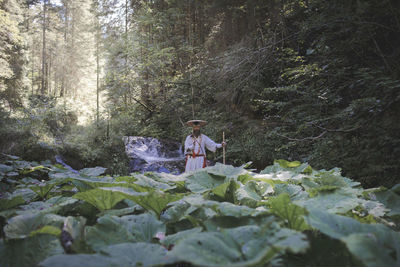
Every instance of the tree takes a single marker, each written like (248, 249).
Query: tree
(11, 54)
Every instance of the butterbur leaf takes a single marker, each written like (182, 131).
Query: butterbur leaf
(47, 229)
(43, 189)
(11, 203)
(370, 251)
(229, 209)
(101, 199)
(155, 201)
(244, 178)
(26, 193)
(78, 260)
(289, 212)
(84, 184)
(295, 192)
(325, 188)
(138, 254)
(332, 202)
(171, 240)
(121, 212)
(111, 230)
(287, 164)
(5, 168)
(22, 225)
(226, 190)
(143, 227)
(241, 246)
(253, 192)
(373, 244)
(29, 251)
(228, 171)
(147, 182)
(36, 168)
(107, 231)
(285, 170)
(201, 182)
(390, 199)
(93, 172)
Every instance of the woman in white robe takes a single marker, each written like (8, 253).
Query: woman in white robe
(196, 145)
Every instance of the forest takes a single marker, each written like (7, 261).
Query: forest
(306, 93)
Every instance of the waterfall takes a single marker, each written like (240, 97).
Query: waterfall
(151, 154)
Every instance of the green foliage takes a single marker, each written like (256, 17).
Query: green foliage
(10, 203)
(225, 215)
(101, 199)
(289, 212)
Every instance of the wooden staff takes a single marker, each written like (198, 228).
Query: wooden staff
(223, 147)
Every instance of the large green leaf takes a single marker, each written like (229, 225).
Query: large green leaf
(295, 192)
(8, 203)
(101, 199)
(171, 240)
(114, 230)
(289, 212)
(33, 169)
(176, 211)
(332, 202)
(229, 209)
(284, 170)
(138, 254)
(26, 193)
(107, 231)
(43, 189)
(228, 171)
(22, 225)
(58, 205)
(143, 227)
(201, 182)
(390, 199)
(121, 212)
(79, 260)
(146, 181)
(252, 193)
(36, 206)
(154, 201)
(47, 229)
(373, 244)
(226, 191)
(93, 172)
(87, 183)
(287, 164)
(29, 251)
(5, 168)
(241, 246)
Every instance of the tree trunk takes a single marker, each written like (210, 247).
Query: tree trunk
(63, 78)
(43, 88)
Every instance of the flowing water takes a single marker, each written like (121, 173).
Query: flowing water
(151, 154)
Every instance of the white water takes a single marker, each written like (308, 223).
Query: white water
(153, 152)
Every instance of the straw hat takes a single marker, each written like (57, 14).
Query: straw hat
(194, 123)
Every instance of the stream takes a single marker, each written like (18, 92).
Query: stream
(150, 154)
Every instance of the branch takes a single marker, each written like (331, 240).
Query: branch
(142, 104)
(336, 130)
(304, 139)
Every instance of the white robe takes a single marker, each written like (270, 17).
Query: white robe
(198, 145)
